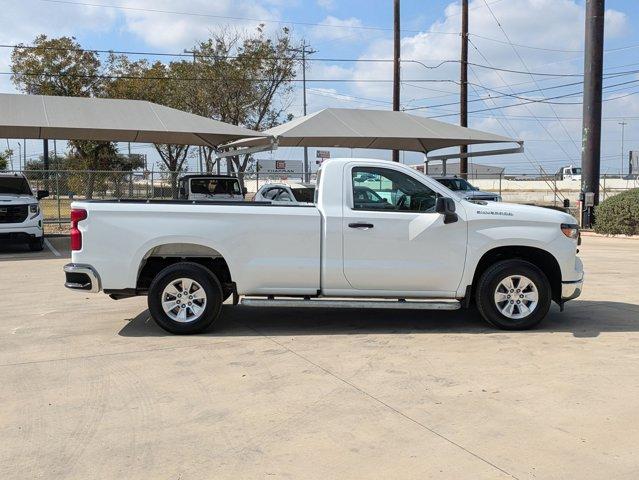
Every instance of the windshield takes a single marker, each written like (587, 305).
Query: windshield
(306, 194)
(456, 184)
(215, 186)
(14, 185)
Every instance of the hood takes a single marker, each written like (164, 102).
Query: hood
(477, 194)
(517, 212)
(12, 199)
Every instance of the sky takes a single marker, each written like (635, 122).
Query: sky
(544, 37)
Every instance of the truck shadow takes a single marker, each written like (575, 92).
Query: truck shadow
(581, 318)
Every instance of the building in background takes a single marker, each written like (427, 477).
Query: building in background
(475, 170)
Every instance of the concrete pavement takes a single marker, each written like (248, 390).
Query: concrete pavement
(91, 388)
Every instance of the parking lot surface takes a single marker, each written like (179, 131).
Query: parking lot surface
(91, 388)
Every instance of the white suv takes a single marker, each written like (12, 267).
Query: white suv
(20, 215)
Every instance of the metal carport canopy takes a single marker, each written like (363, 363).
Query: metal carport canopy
(78, 118)
(375, 129)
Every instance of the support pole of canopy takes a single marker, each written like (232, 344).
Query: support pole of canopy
(396, 66)
(463, 85)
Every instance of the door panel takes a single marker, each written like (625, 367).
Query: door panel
(394, 241)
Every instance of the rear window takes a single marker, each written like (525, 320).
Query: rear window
(14, 185)
(306, 195)
(215, 186)
(456, 184)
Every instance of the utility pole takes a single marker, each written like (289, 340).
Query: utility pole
(396, 59)
(305, 51)
(591, 132)
(45, 162)
(623, 159)
(45, 153)
(199, 148)
(463, 85)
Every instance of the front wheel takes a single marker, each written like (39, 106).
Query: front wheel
(185, 298)
(513, 295)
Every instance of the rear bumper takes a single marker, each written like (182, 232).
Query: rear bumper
(82, 277)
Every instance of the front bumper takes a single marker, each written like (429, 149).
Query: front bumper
(20, 232)
(571, 290)
(82, 277)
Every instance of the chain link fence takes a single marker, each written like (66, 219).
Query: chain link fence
(64, 186)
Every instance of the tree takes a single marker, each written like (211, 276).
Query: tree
(243, 80)
(59, 66)
(248, 82)
(158, 83)
(5, 157)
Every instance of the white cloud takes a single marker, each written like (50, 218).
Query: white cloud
(548, 24)
(176, 31)
(22, 25)
(333, 28)
(327, 4)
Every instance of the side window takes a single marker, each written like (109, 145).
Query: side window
(283, 196)
(271, 192)
(376, 188)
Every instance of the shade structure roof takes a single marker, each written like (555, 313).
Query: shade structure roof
(77, 118)
(376, 129)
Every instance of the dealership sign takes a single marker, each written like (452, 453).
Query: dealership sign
(280, 166)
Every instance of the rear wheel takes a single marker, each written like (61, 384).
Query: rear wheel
(513, 295)
(185, 298)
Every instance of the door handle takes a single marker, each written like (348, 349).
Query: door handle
(361, 226)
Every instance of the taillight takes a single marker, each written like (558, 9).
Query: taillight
(77, 214)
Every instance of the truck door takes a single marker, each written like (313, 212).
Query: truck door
(393, 240)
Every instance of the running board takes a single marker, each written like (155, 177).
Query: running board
(324, 303)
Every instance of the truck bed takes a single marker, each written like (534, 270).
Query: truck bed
(268, 247)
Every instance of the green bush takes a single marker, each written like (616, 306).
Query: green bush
(619, 215)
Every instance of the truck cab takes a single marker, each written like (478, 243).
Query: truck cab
(570, 173)
(221, 188)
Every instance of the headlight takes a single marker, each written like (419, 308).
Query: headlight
(570, 230)
(34, 208)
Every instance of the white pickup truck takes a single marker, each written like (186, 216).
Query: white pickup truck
(380, 235)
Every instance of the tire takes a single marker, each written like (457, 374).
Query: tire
(498, 302)
(173, 282)
(37, 245)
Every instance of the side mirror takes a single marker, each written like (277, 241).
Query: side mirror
(446, 206)
(244, 190)
(42, 194)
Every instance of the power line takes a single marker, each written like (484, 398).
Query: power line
(228, 17)
(546, 49)
(199, 79)
(531, 100)
(531, 75)
(318, 59)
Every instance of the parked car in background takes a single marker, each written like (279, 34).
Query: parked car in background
(286, 193)
(211, 187)
(467, 191)
(425, 248)
(569, 173)
(20, 214)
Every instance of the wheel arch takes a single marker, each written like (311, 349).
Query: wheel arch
(543, 259)
(166, 254)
